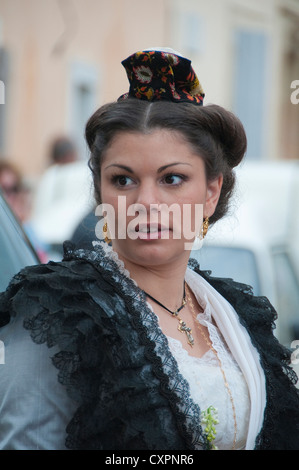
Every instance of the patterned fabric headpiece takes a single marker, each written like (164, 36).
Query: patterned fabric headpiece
(162, 75)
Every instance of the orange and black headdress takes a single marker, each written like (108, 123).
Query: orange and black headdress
(162, 75)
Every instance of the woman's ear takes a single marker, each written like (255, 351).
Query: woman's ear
(212, 195)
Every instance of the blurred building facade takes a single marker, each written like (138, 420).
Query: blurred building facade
(60, 60)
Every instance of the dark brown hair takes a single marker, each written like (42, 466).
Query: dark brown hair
(215, 134)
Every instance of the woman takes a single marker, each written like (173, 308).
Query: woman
(149, 352)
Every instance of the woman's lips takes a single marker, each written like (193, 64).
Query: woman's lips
(151, 231)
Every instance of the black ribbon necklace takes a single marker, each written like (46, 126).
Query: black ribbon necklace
(182, 327)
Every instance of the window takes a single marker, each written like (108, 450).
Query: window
(193, 33)
(83, 102)
(250, 87)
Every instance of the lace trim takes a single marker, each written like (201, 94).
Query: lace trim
(108, 250)
(173, 384)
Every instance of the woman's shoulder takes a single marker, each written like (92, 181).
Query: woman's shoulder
(252, 310)
(255, 313)
(49, 286)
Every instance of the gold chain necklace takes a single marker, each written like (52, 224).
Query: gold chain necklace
(220, 364)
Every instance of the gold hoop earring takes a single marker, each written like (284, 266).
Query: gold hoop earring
(106, 233)
(205, 228)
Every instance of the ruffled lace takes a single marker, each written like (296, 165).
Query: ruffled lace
(173, 385)
(110, 253)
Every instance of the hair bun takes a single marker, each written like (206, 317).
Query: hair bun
(229, 132)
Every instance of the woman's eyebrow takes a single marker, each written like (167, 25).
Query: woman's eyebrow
(164, 167)
(118, 165)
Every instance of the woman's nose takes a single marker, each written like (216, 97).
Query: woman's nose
(148, 195)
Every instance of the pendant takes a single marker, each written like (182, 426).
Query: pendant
(183, 328)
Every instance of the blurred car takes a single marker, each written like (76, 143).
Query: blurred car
(257, 244)
(16, 250)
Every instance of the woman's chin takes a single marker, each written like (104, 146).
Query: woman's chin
(150, 251)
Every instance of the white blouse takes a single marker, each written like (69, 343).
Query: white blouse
(241, 364)
(207, 387)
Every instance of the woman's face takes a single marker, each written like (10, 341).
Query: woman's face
(155, 189)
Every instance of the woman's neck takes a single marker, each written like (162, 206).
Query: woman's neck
(164, 282)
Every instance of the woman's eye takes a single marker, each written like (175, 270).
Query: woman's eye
(122, 180)
(173, 180)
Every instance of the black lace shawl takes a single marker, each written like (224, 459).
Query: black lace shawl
(114, 362)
